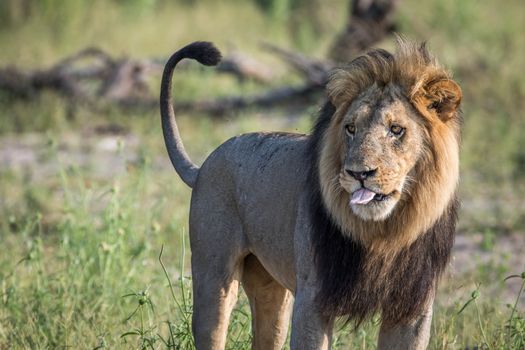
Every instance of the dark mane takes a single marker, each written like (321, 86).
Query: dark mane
(357, 283)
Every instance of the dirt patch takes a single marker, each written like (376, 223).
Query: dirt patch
(102, 156)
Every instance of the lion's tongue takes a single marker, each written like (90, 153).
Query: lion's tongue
(362, 196)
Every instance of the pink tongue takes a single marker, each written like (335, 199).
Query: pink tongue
(362, 196)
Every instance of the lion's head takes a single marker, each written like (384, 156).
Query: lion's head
(388, 158)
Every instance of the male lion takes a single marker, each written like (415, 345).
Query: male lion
(357, 218)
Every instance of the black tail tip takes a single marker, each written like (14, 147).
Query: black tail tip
(204, 52)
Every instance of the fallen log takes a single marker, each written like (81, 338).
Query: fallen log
(299, 97)
(115, 78)
(92, 77)
(311, 69)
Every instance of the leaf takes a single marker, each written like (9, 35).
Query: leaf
(129, 333)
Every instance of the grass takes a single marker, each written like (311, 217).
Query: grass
(95, 252)
(87, 272)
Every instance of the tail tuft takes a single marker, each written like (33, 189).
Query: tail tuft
(204, 52)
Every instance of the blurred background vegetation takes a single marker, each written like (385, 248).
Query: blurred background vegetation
(88, 197)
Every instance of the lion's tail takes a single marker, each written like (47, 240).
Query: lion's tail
(205, 53)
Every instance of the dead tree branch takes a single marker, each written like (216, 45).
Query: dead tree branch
(289, 96)
(313, 70)
(115, 79)
(92, 75)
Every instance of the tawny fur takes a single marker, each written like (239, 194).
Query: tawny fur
(272, 209)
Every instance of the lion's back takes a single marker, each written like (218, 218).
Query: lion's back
(256, 159)
(257, 164)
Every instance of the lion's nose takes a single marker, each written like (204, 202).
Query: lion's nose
(361, 175)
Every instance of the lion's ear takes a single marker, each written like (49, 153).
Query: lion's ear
(443, 98)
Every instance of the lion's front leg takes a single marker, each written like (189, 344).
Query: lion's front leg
(310, 328)
(413, 336)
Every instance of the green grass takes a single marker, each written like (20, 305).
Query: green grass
(80, 263)
(84, 271)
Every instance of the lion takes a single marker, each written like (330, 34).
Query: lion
(356, 219)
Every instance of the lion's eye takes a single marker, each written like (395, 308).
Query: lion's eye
(396, 130)
(350, 129)
(433, 105)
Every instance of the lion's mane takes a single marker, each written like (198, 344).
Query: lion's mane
(391, 266)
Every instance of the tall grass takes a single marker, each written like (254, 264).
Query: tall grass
(111, 271)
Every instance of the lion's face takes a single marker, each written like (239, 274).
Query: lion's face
(388, 149)
(383, 138)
